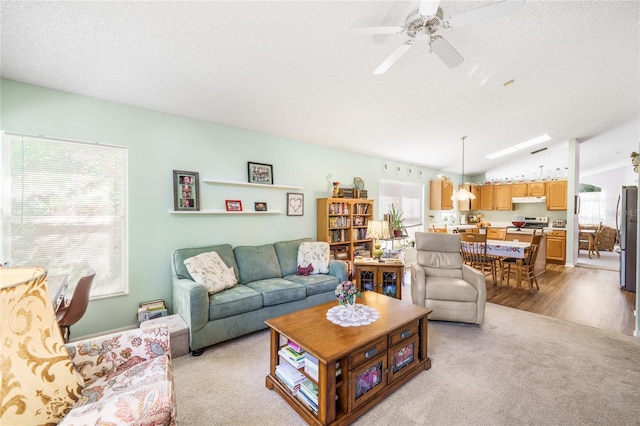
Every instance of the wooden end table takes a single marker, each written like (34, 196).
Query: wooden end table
(381, 277)
(372, 360)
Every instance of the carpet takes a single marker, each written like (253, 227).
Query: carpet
(518, 368)
(609, 260)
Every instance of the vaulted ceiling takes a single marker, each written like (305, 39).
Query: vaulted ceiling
(292, 69)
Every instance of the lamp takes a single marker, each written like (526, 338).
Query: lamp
(377, 229)
(462, 194)
(39, 382)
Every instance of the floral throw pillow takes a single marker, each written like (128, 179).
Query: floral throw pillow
(316, 254)
(210, 270)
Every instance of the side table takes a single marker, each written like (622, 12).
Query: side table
(381, 277)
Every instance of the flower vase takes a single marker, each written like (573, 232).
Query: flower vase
(350, 304)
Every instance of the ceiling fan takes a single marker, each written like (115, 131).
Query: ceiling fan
(423, 24)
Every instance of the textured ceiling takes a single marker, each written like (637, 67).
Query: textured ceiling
(290, 69)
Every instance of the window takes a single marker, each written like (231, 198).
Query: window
(592, 205)
(64, 207)
(407, 197)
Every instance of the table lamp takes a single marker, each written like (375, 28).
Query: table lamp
(377, 229)
(39, 382)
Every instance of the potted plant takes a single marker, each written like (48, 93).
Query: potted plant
(397, 221)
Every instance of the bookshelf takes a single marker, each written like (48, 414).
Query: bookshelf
(342, 222)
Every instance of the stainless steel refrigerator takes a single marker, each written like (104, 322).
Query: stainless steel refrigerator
(627, 223)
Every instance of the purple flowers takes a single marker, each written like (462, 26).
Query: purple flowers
(346, 292)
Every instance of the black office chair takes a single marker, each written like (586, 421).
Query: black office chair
(69, 314)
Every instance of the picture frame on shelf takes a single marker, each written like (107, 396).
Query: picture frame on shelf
(233, 205)
(295, 204)
(260, 173)
(260, 206)
(186, 190)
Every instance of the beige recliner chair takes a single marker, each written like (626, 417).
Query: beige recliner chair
(441, 282)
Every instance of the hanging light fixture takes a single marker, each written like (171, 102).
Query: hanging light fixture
(462, 194)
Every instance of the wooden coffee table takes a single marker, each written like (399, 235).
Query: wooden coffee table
(374, 360)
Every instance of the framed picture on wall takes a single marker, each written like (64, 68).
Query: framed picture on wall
(260, 173)
(186, 190)
(295, 204)
(261, 206)
(233, 205)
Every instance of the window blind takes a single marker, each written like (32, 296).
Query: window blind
(408, 197)
(64, 207)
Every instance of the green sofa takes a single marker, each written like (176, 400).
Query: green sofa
(268, 286)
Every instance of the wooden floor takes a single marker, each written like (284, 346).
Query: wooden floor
(583, 295)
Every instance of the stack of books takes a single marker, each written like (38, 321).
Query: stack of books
(308, 394)
(290, 376)
(294, 355)
(151, 310)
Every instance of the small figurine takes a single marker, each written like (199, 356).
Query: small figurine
(335, 188)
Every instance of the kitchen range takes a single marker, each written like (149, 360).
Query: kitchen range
(524, 222)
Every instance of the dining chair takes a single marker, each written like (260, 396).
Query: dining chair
(527, 264)
(70, 313)
(440, 230)
(473, 248)
(594, 241)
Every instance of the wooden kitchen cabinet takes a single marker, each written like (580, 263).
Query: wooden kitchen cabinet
(440, 195)
(487, 197)
(556, 247)
(557, 195)
(530, 189)
(469, 205)
(503, 197)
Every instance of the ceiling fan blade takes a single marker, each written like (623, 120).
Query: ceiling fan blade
(446, 52)
(391, 59)
(495, 10)
(376, 30)
(429, 7)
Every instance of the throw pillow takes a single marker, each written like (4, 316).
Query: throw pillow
(305, 270)
(210, 270)
(316, 253)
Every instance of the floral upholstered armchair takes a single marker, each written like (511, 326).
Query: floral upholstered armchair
(127, 379)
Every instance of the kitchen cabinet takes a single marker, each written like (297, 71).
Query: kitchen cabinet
(557, 195)
(556, 246)
(503, 197)
(440, 195)
(487, 196)
(470, 205)
(530, 189)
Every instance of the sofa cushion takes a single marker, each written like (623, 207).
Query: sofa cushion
(233, 301)
(316, 254)
(287, 252)
(315, 284)
(257, 263)
(225, 251)
(444, 288)
(278, 290)
(210, 270)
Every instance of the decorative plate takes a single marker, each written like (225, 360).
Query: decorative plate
(385, 167)
(358, 183)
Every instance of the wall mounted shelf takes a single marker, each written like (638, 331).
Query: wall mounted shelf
(223, 212)
(252, 185)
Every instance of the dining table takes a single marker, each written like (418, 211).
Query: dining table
(514, 249)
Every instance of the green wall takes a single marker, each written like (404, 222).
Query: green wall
(159, 143)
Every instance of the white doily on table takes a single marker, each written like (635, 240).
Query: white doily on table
(347, 317)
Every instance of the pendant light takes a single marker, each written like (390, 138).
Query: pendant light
(462, 194)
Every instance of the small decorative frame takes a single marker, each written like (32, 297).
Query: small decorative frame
(186, 190)
(260, 173)
(295, 204)
(260, 206)
(233, 205)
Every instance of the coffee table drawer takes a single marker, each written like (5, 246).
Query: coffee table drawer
(403, 333)
(403, 358)
(367, 380)
(375, 348)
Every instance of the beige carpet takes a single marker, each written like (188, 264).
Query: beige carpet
(517, 368)
(609, 260)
